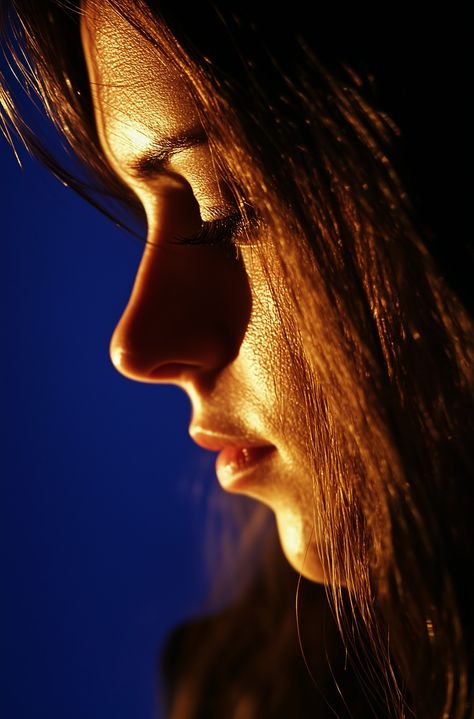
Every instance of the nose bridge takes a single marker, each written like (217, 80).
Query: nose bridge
(188, 311)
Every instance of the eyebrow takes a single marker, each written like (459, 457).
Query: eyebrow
(153, 160)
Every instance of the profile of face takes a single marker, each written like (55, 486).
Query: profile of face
(199, 316)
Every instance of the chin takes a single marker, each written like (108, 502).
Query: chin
(298, 545)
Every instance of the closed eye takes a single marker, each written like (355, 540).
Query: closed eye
(214, 232)
(224, 231)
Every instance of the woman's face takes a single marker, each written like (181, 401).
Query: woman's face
(199, 316)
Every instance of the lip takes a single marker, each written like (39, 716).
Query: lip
(237, 457)
(235, 463)
(216, 441)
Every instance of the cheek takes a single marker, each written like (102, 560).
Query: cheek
(261, 356)
(269, 360)
(271, 364)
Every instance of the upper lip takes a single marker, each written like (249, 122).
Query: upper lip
(216, 441)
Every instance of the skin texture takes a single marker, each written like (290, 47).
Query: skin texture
(198, 316)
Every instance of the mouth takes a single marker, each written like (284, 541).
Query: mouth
(234, 463)
(238, 456)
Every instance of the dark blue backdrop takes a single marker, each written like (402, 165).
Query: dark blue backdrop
(102, 500)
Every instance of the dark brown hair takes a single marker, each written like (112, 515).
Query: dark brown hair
(382, 350)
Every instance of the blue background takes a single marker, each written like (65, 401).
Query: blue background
(103, 494)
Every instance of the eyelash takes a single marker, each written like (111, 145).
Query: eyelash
(223, 232)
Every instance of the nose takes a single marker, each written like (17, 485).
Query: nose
(189, 306)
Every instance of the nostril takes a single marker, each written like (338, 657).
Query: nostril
(194, 379)
(171, 371)
(139, 368)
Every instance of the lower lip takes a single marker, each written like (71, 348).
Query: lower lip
(232, 463)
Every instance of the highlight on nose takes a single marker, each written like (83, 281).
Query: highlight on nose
(128, 364)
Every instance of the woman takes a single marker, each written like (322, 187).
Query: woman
(285, 286)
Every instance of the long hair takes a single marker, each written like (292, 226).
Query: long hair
(381, 344)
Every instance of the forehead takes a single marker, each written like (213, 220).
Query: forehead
(137, 92)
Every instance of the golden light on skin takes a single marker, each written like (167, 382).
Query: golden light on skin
(197, 318)
(294, 539)
(132, 136)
